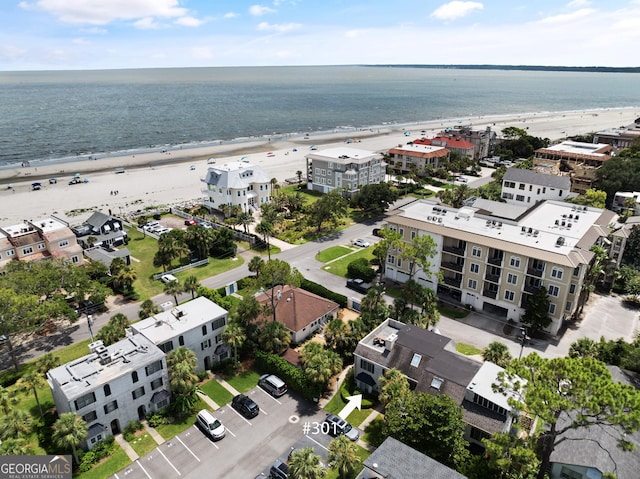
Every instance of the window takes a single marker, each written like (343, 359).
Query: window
(27, 250)
(401, 231)
(366, 365)
(10, 252)
(572, 288)
(156, 383)
(218, 338)
(474, 268)
(85, 400)
(413, 234)
(514, 262)
(112, 406)
(477, 252)
(552, 308)
(204, 329)
(399, 263)
(478, 434)
(181, 340)
(391, 259)
(75, 259)
(166, 347)
(507, 196)
(566, 473)
(218, 323)
(473, 284)
(509, 295)
(557, 273)
(568, 306)
(107, 390)
(512, 278)
(553, 291)
(90, 416)
(415, 361)
(134, 376)
(63, 243)
(153, 367)
(521, 186)
(136, 393)
(576, 271)
(205, 344)
(41, 246)
(509, 184)
(519, 197)
(437, 383)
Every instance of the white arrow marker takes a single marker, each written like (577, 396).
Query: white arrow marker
(352, 403)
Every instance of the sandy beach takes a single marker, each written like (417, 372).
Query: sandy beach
(166, 178)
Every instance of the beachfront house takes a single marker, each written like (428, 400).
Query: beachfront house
(347, 169)
(197, 325)
(431, 365)
(301, 312)
(38, 240)
(452, 142)
(521, 186)
(236, 183)
(103, 228)
(112, 386)
(412, 156)
(493, 256)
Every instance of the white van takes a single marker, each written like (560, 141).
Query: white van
(211, 426)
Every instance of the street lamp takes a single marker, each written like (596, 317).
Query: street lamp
(89, 323)
(523, 340)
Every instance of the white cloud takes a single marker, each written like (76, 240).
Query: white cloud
(147, 23)
(259, 10)
(280, 28)
(456, 9)
(105, 11)
(568, 17)
(188, 21)
(80, 41)
(578, 3)
(230, 15)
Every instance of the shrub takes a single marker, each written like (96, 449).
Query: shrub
(348, 388)
(320, 290)
(130, 430)
(157, 419)
(359, 268)
(226, 367)
(293, 376)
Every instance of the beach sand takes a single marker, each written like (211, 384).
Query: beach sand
(166, 178)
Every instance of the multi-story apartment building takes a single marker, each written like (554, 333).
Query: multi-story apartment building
(619, 137)
(431, 364)
(236, 183)
(406, 158)
(526, 187)
(346, 169)
(493, 258)
(197, 324)
(112, 386)
(37, 240)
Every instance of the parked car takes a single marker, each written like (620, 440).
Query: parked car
(272, 384)
(75, 181)
(360, 242)
(168, 278)
(245, 406)
(36, 186)
(338, 426)
(358, 285)
(279, 470)
(86, 306)
(461, 179)
(376, 232)
(210, 425)
(190, 222)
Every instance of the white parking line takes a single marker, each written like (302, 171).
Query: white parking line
(265, 392)
(230, 432)
(264, 412)
(169, 462)
(185, 446)
(143, 469)
(116, 476)
(317, 442)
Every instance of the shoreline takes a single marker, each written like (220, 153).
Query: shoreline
(163, 179)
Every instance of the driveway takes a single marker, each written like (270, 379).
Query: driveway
(250, 446)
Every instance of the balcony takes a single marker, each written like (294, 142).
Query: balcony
(489, 293)
(494, 278)
(453, 282)
(495, 260)
(453, 250)
(535, 272)
(452, 266)
(532, 287)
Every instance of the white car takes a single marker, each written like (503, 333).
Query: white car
(360, 242)
(461, 179)
(168, 278)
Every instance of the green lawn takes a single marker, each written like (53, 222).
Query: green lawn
(374, 434)
(339, 267)
(467, 349)
(217, 392)
(117, 461)
(143, 444)
(357, 416)
(451, 312)
(244, 381)
(332, 253)
(167, 431)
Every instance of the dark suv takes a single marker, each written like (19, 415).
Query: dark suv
(358, 285)
(245, 406)
(279, 470)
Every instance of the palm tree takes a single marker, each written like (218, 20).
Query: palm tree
(15, 447)
(393, 384)
(234, 336)
(245, 219)
(336, 333)
(255, 265)
(199, 240)
(173, 288)
(46, 362)
(584, 348)
(182, 363)
(497, 353)
(265, 228)
(343, 456)
(148, 309)
(123, 279)
(299, 175)
(16, 423)
(274, 337)
(31, 381)
(305, 464)
(191, 285)
(69, 431)
(7, 399)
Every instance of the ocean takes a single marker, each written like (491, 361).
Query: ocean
(68, 115)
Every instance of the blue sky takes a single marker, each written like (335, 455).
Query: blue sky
(95, 34)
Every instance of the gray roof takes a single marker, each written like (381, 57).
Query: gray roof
(97, 219)
(597, 445)
(542, 179)
(104, 256)
(395, 460)
(236, 175)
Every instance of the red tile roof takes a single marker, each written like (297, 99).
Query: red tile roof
(448, 141)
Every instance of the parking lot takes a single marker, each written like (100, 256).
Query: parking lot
(249, 448)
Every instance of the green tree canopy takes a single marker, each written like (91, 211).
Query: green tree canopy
(536, 313)
(374, 199)
(330, 207)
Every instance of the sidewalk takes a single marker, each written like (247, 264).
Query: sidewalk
(226, 385)
(155, 435)
(126, 447)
